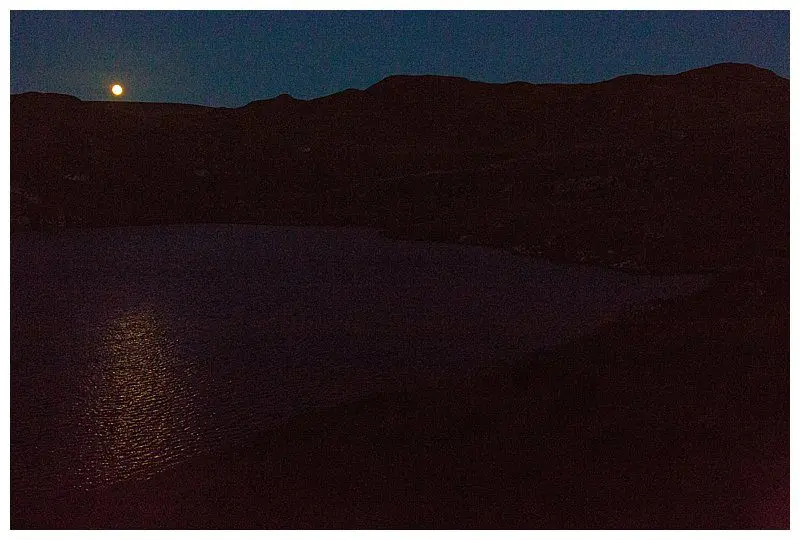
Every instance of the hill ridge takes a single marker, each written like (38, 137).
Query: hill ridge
(687, 172)
(403, 80)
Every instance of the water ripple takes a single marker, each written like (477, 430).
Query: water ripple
(135, 349)
(140, 407)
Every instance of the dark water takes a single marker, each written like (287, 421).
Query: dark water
(134, 349)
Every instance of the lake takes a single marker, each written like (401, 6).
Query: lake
(135, 349)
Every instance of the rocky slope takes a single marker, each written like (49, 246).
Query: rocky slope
(678, 172)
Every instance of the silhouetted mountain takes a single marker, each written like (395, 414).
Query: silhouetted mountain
(50, 96)
(666, 172)
(282, 100)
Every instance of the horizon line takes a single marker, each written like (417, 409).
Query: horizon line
(409, 75)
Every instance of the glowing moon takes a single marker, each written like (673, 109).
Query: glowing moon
(116, 90)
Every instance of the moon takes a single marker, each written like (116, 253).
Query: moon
(117, 90)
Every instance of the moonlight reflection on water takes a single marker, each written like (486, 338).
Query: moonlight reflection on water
(140, 400)
(135, 349)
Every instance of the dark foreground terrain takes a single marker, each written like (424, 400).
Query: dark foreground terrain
(674, 417)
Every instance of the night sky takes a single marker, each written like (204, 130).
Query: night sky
(231, 58)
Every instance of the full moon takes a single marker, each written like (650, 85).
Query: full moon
(116, 90)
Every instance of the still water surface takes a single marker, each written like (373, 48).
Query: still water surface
(134, 349)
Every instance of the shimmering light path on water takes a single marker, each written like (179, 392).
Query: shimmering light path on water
(134, 349)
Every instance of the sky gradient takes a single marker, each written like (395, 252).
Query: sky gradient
(231, 58)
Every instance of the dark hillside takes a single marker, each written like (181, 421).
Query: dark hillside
(685, 171)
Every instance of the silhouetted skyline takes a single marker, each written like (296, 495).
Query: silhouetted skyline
(231, 58)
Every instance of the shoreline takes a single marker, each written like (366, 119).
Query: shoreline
(555, 255)
(406, 459)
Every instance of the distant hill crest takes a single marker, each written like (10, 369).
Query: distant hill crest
(401, 84)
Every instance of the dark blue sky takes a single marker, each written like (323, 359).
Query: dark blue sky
(231, 58)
